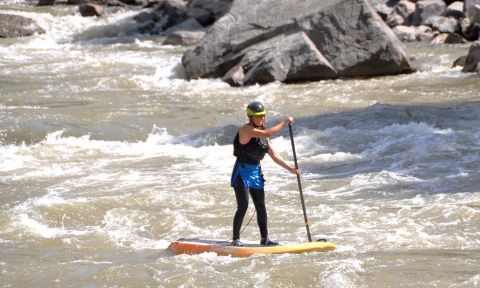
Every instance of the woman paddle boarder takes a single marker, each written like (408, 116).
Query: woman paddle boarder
(250, 146)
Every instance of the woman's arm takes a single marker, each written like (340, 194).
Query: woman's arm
(247, 131)
(279, 160)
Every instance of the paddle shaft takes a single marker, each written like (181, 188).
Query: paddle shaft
(299, 184)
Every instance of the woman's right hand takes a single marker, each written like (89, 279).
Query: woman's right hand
(289, 120)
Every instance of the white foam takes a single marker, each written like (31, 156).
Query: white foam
(338, 280)
(123, 227)
(45, 231)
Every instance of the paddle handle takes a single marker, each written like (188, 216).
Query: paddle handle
(299, 184)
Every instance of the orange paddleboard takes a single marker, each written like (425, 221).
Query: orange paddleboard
(223, 248)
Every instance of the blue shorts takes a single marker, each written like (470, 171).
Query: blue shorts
(251, 174)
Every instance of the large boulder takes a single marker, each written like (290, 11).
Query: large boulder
(18, 26)
(291, 40)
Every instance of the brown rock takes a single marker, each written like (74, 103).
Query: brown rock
(448, 38)
(459, 62)
(89, 9)
(18, 26)
(473, 58)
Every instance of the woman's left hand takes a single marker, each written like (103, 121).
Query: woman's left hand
(294, 170)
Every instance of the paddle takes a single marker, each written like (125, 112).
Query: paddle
(299, 184)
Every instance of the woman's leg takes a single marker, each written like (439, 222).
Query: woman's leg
(241, 193)
(258, 197)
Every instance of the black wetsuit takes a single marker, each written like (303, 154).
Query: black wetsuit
(258, 197)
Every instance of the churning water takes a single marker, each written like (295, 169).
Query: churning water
(107, 155)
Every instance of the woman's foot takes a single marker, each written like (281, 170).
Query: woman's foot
(268, 242)
(236, 242)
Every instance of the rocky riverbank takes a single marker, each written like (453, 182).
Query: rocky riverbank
(247, 42)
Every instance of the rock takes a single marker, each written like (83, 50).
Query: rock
(133, 2)
(298, 41)
(234, 76)
(89, 9)
(474, 14)
(203, 16)
(187, 25)
(146, 17)
(460, 62)
(18, 26)
(147, 27)
(187, 33)
(405, 33)
(469, 3)
(300, 56)
(402, 14)
(151, 3)
(444, 24)
(424, 33)
(473, 58)
(448, 38)
(176, 11)
(384, 7)
(455, 38)
(454, 10)
(184, 38)
(470, 31)
(46, 2)
(426, 9)
(117, 3)
(217, 8)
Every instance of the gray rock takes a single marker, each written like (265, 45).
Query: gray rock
(454, 10)
(426, 9)
(473, 14)
(146, 17)
(473, 58)
(468, 3)
(402, 14)
(444, 24)
(203, 16)
(470, 31)
(287, 58)
(424, 33)
(217, 8)
(184, 37)
(18, 26)
(190, 24)
(290, 40)
(405, 33)
(187, 33)
(384, 7)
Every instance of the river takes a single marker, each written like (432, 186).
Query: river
(107, 155)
